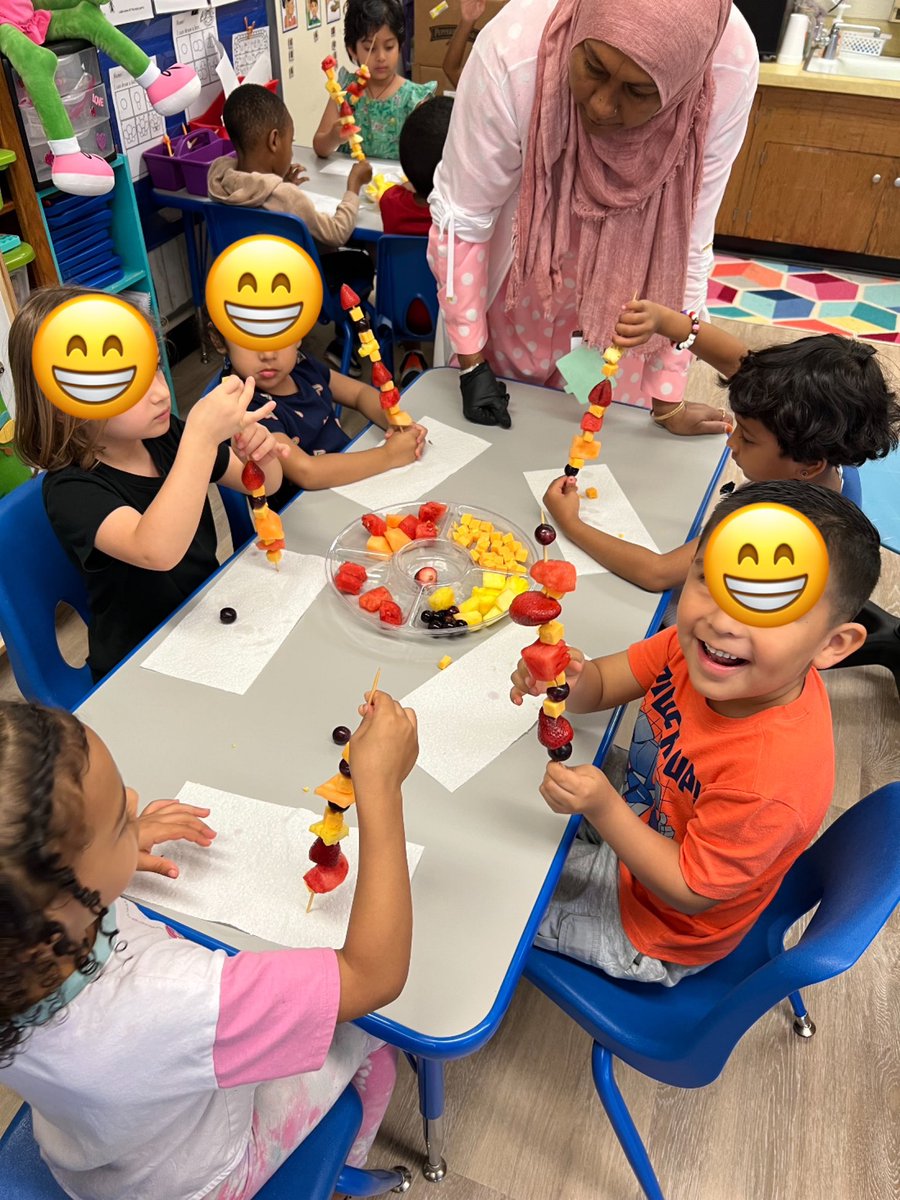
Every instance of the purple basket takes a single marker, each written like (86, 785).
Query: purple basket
(165, 168)
(195, 165)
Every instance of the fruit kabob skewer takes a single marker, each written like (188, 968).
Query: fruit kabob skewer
(369, 348)
(350, 131)
(269, 529)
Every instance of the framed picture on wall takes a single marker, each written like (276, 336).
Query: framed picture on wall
(332, 11)
(289, 19)
(313, 13)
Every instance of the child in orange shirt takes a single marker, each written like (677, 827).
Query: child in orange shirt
(731, 767)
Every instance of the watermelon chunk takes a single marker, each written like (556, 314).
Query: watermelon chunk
(426, 529)
(374, 524)
(389, 399)
(591, 424)
(543, 660)
(431, 511)
(372, 601)
(390, 613)
(408, 525)
(325, 879)
(555, 574)
(350, 578)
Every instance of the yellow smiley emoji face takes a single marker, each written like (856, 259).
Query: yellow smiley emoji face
(264, 293)
(766, 565)
(94, 357)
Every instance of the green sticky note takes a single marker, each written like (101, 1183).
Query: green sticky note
(582, 369)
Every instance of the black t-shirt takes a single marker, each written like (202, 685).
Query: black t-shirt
(127, 602)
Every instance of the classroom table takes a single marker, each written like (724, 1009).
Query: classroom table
(493, 849)
(368, 227)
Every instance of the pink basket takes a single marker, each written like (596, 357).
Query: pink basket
(195, 165)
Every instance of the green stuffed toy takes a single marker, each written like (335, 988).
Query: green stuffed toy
(25, 26)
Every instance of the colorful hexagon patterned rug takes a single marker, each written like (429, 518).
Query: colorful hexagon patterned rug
(818, 300)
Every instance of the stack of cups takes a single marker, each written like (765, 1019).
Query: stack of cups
(793, 44)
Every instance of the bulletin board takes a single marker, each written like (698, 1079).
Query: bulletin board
(157, 37)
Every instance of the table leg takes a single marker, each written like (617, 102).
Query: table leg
(190, 241)
(430, 1073)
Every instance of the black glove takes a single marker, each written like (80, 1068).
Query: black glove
(485, 399)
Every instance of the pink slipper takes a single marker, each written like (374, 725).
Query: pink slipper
(82, 174)
(174, 90)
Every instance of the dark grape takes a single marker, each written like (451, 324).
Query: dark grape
(561, 753)
(460, 624)
(545, 534)
(344, 768)
(258, 501)
(558, 692)
(427, 617)
(570, 471)
(452, 610)
(227, 616)
(340, 735)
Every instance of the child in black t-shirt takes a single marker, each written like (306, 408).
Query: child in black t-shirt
(127, 497)
(303, 419)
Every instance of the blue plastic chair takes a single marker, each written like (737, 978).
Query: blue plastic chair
(403, 276)
(228, 223)
(684, 1035)
(315, 1171)
(38, 577)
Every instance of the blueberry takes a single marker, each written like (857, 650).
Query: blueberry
(558, 692)
(571, 471)
(561, 753)
(340, 735)
(227, 616)
(427, 617)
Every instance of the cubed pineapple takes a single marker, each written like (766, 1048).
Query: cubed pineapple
(554, 708)
(551, 633)
(492, 614)
(491, 579)
(471, 618)
(443, 597)
(505, 599)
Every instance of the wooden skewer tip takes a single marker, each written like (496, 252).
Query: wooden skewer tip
(312, 896)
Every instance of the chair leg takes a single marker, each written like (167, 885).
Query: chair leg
(623, 1126)
(430, 1073)
(354, 1182)
(803, 1023)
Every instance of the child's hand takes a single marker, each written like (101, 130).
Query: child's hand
(401, 447)
(384, 748)
(637, 323)
(524, 684)
(222, 413)
(418, 431)
(471, 10)
(169, 821)
(561, 501)
(296, 173)
(360, 175)
(260, 444)
(584, 790)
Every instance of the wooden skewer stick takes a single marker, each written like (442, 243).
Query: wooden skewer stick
(312, 896)
(374, 687)
(544, 522)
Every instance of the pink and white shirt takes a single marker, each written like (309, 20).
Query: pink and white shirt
(476, 194)
(145, 1087)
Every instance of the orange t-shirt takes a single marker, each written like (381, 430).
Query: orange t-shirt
(742, 797)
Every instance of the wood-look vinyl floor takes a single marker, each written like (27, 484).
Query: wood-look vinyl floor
(788, 1119)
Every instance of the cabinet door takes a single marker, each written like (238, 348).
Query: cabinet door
(885, 237)
(814, 196)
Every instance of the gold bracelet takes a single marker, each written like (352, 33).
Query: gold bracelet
(679, 408)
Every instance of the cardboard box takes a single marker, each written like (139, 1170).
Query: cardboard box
(427, 74)
(431, 36)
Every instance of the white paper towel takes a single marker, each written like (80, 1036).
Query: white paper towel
(790, 52)
(447, 451)
(466, 718)
(268, 604)
(611, 513)
(343, 165)
(251, 877)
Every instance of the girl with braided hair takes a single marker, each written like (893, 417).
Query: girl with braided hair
(156, 1067)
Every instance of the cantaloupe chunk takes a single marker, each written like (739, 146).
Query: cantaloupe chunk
(396, 538)
(378, 545)
(393, 520)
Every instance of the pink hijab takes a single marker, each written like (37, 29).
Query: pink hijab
(633, 191)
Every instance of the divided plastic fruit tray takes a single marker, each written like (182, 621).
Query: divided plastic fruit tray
(396, 572)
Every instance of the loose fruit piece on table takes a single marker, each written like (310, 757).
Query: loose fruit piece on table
(350, 578)
(445, 662)
(555, 575)
(379, 545)
(554, 731)
(431, 511)
(426, 576)
(227, 616)
(425, 529)
(408, 525)
(390, 613)
(397, 538)
(534, 608)
(374, 524)
(591, 493)
(340, 735)
(545, 661)
(372, 601)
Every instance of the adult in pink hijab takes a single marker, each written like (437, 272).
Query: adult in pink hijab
(589, 149)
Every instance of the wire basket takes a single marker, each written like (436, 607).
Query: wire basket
(862, 43)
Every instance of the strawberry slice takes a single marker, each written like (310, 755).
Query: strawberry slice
(554, 732)
(252, 477)
(431, 511)
(601, 395)
(372, 601)
(349, 298)
(374, 524)
(380, 375)
(409, 525)
(426, 529)
(324, 856)
(534, 608)
(390, 613)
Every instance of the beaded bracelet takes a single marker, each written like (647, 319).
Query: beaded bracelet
(692, 336)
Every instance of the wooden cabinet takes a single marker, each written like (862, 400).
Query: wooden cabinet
(818, 169)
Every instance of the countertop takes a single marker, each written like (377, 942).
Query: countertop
(774, 75)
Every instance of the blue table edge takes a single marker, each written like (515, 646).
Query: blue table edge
(463, 1044)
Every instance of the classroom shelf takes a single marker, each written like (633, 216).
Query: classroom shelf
(128, 240)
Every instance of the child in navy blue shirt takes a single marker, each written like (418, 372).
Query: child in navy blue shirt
(305, 392)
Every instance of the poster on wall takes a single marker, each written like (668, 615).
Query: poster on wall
(120, 12)
(313, 16)
(289, 20)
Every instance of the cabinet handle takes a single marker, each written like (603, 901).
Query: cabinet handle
(897, 181)
(876, 179)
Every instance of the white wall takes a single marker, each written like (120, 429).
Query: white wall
(303, 84)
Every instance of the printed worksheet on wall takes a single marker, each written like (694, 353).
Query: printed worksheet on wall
(195, 35)
(177, 6)
(120, 12)
(140, 127)
(248, 47)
